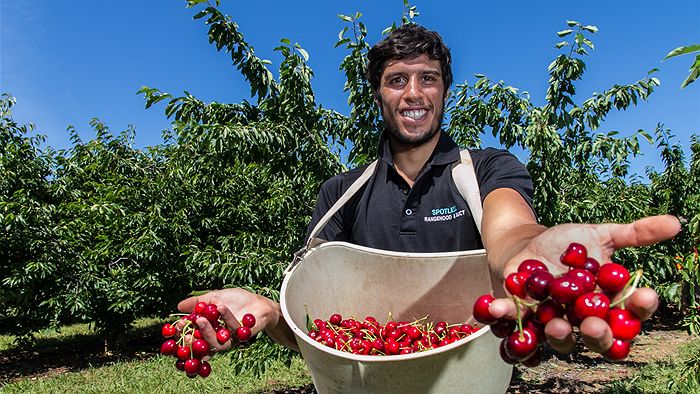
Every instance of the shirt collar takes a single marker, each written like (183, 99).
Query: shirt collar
(446, 151)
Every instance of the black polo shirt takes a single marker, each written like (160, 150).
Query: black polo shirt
(430, 217)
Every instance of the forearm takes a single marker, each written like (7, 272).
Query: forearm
(280, 331)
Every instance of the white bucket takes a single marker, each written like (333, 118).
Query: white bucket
(338, 277)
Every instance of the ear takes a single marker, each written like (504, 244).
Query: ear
(377, 99)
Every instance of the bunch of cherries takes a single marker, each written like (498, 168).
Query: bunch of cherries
(586, 289)
(190, 347)
(369, 337)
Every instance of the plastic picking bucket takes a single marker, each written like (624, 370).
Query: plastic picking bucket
(337, 277)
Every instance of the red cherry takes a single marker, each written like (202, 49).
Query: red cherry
(223, 335)
(211, 313)
(243, 333)
(504, 355)
(199, 308)
(502, 327)
(200, 348)
(536, 327)
(335, 319)
(520, 345)
(565, 289)
(515, 284)
(586, 278)
(183, 352)
(618, 351)
(574, 256)
(168, 330)
(192, 366)
(624, 324)
(197, 334)
(571, 315)
(548, 310)
(414, 333)
(249, 320)
(168, 348)
(204, 369)
(531, 265)
(180, 365)
(537, 284)
(612, 277)
(481, 310)
(392, 347)
(591, 265)
(592, 304)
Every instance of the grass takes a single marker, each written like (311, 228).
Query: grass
(143, 371)
(680, 373)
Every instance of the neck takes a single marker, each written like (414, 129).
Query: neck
(409, 160)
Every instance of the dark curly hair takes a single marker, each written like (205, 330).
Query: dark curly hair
(408, 42)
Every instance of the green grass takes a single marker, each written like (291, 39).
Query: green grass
(678, 374)
(153, 374)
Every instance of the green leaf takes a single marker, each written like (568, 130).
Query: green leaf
(562, 44)
(591, 28)
(682, 51)
(310, 325)
(572, 23)
(564, 33)
(345, 18)
(694, 72)
(303, 53)
(285, 41)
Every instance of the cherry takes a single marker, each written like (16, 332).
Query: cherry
(612, 277)
(592, 304)
(565, 289)
(618, 351)
(180, 365)
(335, 319)
(624, 324)
(192, 366)
(392, 347)
(504, 355)
(548, 310)
(537, 284)
(199, 308)
(183, 352)
(211, 313)
(204, 369)
(243, 333)
(168, 330)
(197, 334)
(223, 335)
(249, 320)
(586, 278)
(200, 348)
(534, 360)
(574, 256)
(531, 265)
(481, 310)
(503, 327)
(591, 265)
(168, 348)
(515, 284)
(520, 345)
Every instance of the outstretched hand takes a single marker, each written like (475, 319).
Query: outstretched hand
(601, 240)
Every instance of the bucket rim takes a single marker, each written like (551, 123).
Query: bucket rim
(301, 335)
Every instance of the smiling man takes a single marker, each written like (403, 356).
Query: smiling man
(411, 202)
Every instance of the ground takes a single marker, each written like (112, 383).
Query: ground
(581, 372)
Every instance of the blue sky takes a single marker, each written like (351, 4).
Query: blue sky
(68, 62)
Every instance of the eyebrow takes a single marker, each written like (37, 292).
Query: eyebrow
(428, 72)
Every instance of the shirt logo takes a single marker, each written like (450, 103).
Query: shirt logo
(443, 214)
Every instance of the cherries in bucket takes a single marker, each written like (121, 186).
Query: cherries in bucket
(586, 289)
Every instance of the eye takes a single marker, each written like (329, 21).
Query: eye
(428, 79)
(398, 80)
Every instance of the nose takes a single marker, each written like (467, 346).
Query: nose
(414, 90)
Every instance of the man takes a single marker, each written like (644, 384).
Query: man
(410, 74)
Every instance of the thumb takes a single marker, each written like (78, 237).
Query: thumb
(642, 232)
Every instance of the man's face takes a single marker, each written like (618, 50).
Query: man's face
(411, 97)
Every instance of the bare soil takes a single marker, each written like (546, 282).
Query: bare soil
(581, 372)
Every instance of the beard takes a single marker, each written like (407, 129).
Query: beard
(408, 140)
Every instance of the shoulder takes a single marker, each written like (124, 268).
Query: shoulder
(340, 183)
(489, 155)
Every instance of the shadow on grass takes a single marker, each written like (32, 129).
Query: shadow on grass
(76, 352)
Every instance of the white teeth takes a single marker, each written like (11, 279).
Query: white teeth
(414, 114)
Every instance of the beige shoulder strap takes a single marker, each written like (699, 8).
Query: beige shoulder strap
(464, 178)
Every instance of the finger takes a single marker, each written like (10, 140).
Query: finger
(231, 323)
(644, 231)
(187, 305)
(506, 308)
(596, 334)
(209, 334)
(560, 335)
(643, 303)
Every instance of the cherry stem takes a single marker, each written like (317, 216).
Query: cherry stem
(628, 290)
(518, 316)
